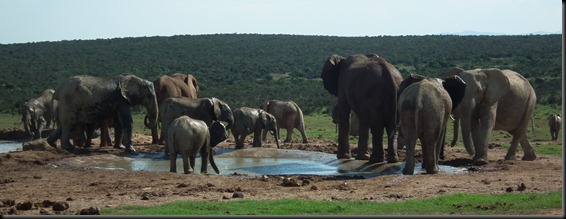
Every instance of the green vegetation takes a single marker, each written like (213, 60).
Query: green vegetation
(246, 69)
(456, 204)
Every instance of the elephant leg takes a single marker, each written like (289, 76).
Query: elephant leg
(51, 140)
(429, 154)
(204, 159)
(154, 137)
(173, 162)
(289, 134)
(481, 132)
(257, 139)
(186, 165)
(377, 154)
(303, 134)
(455, 131)
(118, 136)
(410, 142)
(162, 136)
(126, 123)
(363, 153)
(392, 156)
(343, 130)
(528, 151)
(65, 139)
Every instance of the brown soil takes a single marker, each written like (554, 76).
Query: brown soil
(35, 182)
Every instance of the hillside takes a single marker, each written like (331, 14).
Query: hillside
(245, 69)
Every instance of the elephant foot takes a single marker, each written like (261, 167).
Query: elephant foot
(305, 142)
(510, 157)
(392, 159)
(433, 171)
(408, 172)
(362, 156)
(69, 148)
(130, 150)
(480, 162)
(376, 159)
(529, 157)
(343, 156)
(51, 142)
(119, 146)
(189, 171)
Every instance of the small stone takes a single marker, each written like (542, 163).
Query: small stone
(182, 185)
(521, 187)
(509, 189)
(238, 195)
(60, 206)
(89, 211)
(314, 188)
(24, 206)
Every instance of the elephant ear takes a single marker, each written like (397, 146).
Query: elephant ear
(264, 105)
(497, 85)
(330, 73)
(456, 88)
(413, 78)
(191, 80)
(453, 71)
(263, 118)
(216, 108)
(217, 133)
(123, 86)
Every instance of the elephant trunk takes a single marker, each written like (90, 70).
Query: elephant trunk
(26, 121)
(152, 114)
(276, 138)
(465, 120)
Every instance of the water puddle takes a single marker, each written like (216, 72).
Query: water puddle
(9, 146)
(257, 161)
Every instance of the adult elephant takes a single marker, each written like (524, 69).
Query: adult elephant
(367, 85)
(354, 121)
(288, 115)
(205, 109)
(250, 120)
(554, 123)
(86, 99)
(38, 113)
(187, 136)
(177, 85)
(424, 107)
(495, 100)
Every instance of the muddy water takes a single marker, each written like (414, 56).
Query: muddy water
(7, 146)
(256, 161)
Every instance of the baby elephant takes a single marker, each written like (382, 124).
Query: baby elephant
(554, 123)
(187, 136)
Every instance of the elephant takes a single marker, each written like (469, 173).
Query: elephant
(354, 121)
(424, 107)
(205, 109)
(187, 136)
(288, 115)
(366, 85)
(495, 100)
(251, 120)
(554, 123)
(86, 99)
(79, 139)
(38, 113)
(173, 86)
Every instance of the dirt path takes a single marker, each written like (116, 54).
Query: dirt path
(38, 182)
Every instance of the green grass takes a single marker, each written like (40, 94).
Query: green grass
(457, 204)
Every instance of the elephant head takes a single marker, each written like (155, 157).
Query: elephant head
(138, 91)
(453, 84)
(268, 121)
(217, 134)
(33, 118)
(330, 73)
(221, 111)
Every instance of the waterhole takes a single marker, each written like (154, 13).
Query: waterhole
(255, 161)
(8, 146)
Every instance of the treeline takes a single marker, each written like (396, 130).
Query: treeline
(246, 69)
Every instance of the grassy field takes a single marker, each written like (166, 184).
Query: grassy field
(456, 204)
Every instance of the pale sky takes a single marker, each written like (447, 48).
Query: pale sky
(24, 21)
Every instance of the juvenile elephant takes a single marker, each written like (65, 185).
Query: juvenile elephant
(38, 113)
(354, 121)
(86, 99)
(205, 109)
(177, 85)
(554, 123)
(250, 120)
(366, 85)
(288, 115)
(495, 100)
(187, 136)
(424, 109)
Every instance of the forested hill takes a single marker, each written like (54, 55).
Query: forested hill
(245, 69)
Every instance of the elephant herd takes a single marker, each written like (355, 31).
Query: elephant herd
(372, 97)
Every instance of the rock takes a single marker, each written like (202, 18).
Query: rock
(237, 195)
(509, 189)
(60, 206)
(89, 211)
(521, 187)
(45, 212)
(290, 182)
(182, 185)
(35, 145)
(24, 206)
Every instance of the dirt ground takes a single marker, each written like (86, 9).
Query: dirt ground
(34, 182)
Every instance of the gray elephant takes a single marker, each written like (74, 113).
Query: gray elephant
(424, 107)
(354, 121)
(554, 123)
(187, 136)
(495, 100)
(86, 99)
(288, 115)
(251, 120)
(366, 85)
(205, 109)
(177, 85)
(38, 113)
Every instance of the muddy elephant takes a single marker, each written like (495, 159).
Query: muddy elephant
(495, 100)
(251, 120)
(177, 85)
(205, 109)
(288, 115)
(554, 123)
(366, 85)
(38, 113)
(187, 136)
(354, 121)
(86, 99)
(424, 107)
